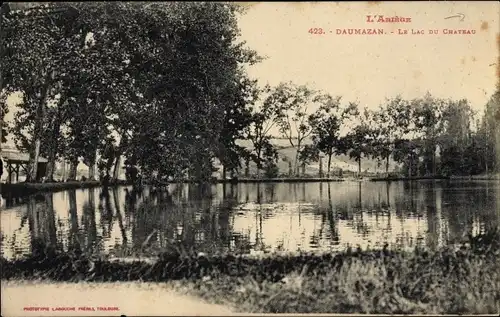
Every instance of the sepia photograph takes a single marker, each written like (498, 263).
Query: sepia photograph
(183, 158)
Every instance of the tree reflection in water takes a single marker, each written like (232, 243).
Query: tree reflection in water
(332, 213)
(42, 225)
(106, 212)
(119, 217)
(74, 242)
(216, 218)
(93, 245)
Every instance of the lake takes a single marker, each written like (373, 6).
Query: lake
(252, 218)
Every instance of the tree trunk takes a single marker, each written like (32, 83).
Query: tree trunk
(49, 173)
(33, 162)
(40, 116)
(247, 167)
(418, 165)
(224, 172)
(328, 168)
(410, 165)
(320, 167)
(116, 169)
(54, 141)
(92, 171)
(63, 172)
(434, 168)
(259, 166)
(109, 164)
(296, 163)
(35, 149)
(118, 155)
(359, 166)
(72, 170)
(387, 166)
(360, 200)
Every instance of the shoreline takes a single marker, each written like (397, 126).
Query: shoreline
(281, 180)
(26, 189)
(449, 178)
(398, 179)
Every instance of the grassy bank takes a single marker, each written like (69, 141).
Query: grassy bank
(447, 281)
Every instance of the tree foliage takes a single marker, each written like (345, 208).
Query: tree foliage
(358, 142)
(168, 73)
(291, 105)
(164, 86)
(326, 124)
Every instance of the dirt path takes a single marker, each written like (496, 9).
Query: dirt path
(129, 298)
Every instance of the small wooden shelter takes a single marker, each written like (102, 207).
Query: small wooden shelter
(14, 160)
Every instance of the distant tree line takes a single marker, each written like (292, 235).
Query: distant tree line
(163, 86)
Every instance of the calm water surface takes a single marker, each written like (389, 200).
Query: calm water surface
(252, 218)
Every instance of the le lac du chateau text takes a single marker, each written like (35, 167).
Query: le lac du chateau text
(374, 25)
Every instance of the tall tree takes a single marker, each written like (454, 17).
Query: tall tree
(37, 43)
(456, 140)
(191, 69)
(491, 124)
(405, 147)
(428, 113)
(167, 72)
(390, 125)
(358, 142)
(262, 121)
(326, 124)
(488, 135)
(237, 123)
(291, 104)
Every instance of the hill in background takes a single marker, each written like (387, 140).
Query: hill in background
(287, 154)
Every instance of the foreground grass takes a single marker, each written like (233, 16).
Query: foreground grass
(448, 281)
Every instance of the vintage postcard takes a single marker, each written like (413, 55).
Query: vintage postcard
(230, 158)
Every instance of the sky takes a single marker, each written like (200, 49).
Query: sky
(369, 68)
